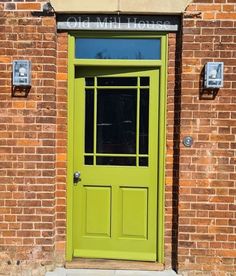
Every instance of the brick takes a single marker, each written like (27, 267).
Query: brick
(209, 16)
(10, 6)
(229, 8)
(230, 15)
(29, 6)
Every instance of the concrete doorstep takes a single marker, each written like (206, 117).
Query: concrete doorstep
(95, 272)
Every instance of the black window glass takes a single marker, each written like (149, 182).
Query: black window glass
(144, 81)
(116, 120)
(144, 121)
(116, 161)
(89, 81)
(89, 120)
(143, 161)
(117, 81)
(88, 160)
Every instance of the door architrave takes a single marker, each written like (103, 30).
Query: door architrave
(162, 64)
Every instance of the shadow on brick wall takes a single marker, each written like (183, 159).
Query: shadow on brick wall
(176, 152)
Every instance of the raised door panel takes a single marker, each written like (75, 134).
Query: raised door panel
(133, 212)
(97, 211)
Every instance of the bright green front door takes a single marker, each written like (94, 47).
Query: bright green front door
(115, 152)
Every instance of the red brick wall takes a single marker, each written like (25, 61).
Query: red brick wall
(32, 141)
(61, 144)
(207, 190)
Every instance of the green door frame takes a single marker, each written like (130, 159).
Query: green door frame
(162, 64)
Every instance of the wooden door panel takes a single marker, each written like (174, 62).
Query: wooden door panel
(97, 211)
(133, 212)
(115, 149)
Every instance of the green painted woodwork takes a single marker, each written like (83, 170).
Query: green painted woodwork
(116, 211)
(97, 210)
(114, 207)
(133, 206)
(162, 153)
(70, 150)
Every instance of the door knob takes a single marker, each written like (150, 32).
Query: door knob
(77, 177)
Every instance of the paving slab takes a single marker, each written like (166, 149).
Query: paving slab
(95, 272)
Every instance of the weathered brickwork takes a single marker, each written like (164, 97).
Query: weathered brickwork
(200, 210)
(207, 190)
(33, 141)
(61, 145)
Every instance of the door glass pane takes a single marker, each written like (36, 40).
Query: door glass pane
(89, 120)
(89, 81)
(116, 161)
(118, 81)
(144, 121)
(116, 120)
(144, 81)
(143, 161)
(118, 48)
(88, 160)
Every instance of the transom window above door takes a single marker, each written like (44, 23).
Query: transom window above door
(118, 48)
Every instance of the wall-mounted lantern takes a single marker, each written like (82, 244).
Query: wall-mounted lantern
(22, 73)
(214, 75)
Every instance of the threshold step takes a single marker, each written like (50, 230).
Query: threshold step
(79, 263)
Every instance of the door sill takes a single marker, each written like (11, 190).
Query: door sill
(82, 263)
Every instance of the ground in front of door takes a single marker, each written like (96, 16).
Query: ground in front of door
(93, 272)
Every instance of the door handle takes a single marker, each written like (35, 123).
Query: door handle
(77, 177)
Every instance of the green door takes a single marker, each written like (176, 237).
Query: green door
(115, 153)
